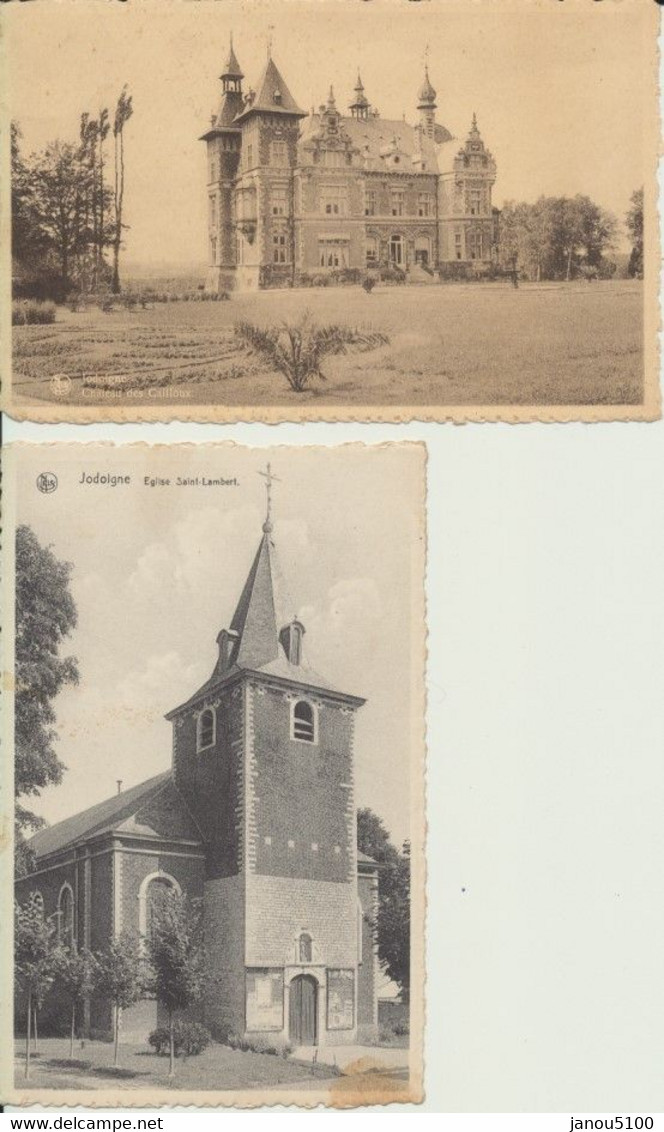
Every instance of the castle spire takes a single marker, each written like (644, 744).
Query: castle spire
(359, 107)
(426, 104)
(232, 69)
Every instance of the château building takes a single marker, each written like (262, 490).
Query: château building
(292, 194)
(256, 818)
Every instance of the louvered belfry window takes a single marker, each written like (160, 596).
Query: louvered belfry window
(206, 729)
(303, 721)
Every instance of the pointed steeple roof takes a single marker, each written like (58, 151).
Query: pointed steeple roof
(255, 620)
(232, 69)
(256, 640)
(273, 95)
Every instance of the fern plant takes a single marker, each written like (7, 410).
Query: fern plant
(297, 349)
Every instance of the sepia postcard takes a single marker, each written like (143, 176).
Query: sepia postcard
(294, 210)
(219, 776)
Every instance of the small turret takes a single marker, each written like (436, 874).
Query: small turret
(232, 75)
(360, 105)
(426, 104)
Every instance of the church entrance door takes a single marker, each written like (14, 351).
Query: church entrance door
(302, 1012)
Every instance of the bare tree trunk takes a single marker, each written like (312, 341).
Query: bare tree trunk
(117, 1034)
(119, 198)
(27, 1036)
(73, 1031)
(171, 1046)
(36, 1036)
(569, 265)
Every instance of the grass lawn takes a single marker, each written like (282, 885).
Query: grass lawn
(483, 344)
(218, 1068)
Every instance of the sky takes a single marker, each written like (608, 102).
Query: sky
(559, 89)
(158, 571)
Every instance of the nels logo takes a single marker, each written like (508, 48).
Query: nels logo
(47, 482)
(60, 384)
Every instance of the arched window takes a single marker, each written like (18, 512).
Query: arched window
(205, 730)
(305, 948)
(152, 892)
(304, 722)
(66, 915)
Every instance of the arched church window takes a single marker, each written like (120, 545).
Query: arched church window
(305, 946)
(158, 891)
(205, 729)
(66, 916)
(153, 892)
(304, 722)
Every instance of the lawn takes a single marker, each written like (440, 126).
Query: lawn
(217, 1068)
(469, 344)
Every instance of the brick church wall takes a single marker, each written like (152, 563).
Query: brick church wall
(284, 772)
(211, 780)
(136, 866)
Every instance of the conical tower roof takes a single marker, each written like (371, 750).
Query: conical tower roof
(273, 95)
(232, 69)
(256, 620)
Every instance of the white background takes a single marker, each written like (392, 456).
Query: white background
(545, 767)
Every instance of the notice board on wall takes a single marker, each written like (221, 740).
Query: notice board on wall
(265, 1000)
(340, 1000)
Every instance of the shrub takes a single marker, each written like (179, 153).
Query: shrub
(33, 313)
(297, 349)
(189, 1039)
(392, 274)
(261, 1043)
(368, 283)
(401, 1027)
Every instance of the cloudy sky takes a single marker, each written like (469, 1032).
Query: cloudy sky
(559, 89)
(158, 572)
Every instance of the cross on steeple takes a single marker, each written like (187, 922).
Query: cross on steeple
(269, 478)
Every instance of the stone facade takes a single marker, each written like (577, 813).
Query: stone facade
(291, 195)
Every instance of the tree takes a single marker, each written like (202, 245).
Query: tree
(57, 186)
(45, 616)
(34, 950)
(123, 112)
(75, 973)
(29, 242)
(392, 927)
(634, 222)
(175, 950)
(120, 979)
(554, 237)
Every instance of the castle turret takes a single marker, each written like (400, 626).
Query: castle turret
(269, 122)
(223, 144)
(360, 105)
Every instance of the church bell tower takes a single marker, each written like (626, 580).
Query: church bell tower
(263, 755)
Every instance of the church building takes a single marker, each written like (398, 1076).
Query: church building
(256, 818)
(293, 194)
